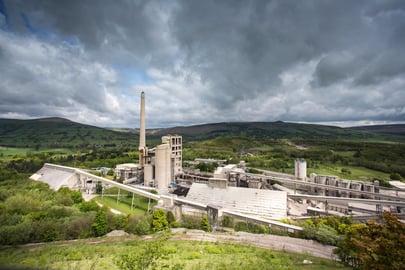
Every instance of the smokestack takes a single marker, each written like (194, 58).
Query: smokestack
(142, 139)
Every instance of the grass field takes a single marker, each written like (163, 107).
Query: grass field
(124, 204)
(101, 253)
(356, 173)
(10, 152)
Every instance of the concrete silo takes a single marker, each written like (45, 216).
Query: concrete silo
(163, 166)
(300, 169)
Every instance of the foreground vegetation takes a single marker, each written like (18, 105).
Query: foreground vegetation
(102, 253)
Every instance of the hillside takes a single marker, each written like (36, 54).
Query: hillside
(276, 130)
(58, 133)
(388, 129)
(63, 133)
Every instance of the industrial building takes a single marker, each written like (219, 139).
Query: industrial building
(157, 166)
(231, 190)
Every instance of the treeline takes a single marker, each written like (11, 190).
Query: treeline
(31, 212)
(279, 154)
(32, 162)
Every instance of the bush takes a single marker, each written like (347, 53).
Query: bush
(227, 222)
(170, 217)
(159, 221)
(395, 176)
(79, 227)
(175, 224)
(146, 258)
(142, 227)
(99, 225)
(251, 227)
(191, 222)
(326, 235)
(241, 226)
(89, 206)
(204, 224)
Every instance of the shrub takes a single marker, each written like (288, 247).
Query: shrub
(175, 224)
(145, 258)
(191, 222)
(204, 224)
(170, 217)
(227, 222)
(89, 206)
(142, 226)
(159, 221)
(241, 226)
(99, 225)
(395, 176)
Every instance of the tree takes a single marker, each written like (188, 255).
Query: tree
(142, 226)
(100, 225)
(395, 176)
(374, 245)
(159, 221)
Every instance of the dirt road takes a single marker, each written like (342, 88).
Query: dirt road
(260, 240)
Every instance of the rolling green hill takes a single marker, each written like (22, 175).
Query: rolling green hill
(277, 130)
(59, 133)
(63, 133)
(388, 129)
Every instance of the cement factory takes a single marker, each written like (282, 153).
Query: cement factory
(264, 197)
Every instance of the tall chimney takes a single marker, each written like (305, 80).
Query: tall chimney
(142, 139)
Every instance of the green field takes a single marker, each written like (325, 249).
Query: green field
(10, 152)
(100, 253)
(356, 173)
(124, 204)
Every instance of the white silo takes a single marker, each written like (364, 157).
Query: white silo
(300, 169)
(148, 174)
(163, 167)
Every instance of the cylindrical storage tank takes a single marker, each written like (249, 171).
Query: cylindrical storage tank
(148, 174)
(163, 167)
(321, 179)
(300, 169)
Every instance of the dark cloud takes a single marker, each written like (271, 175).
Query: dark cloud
(203, 61)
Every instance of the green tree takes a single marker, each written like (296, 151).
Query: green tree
(159, 221)
(142, 226)
(374, 245)
(204, 224)
(100, 226)
(395, 176)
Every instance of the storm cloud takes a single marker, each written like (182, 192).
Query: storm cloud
(203, 61)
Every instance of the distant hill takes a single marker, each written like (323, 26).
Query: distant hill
(275, 130)
(58, 133)
(61, 133)
(388, 129)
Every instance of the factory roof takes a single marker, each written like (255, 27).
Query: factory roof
(54, 178)
(398, 184)
(264, 203)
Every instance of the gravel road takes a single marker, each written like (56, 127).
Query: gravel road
(260, 240)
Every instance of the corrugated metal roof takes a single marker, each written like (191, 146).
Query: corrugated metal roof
(54, 178)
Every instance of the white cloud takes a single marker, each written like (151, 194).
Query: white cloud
(203, 61)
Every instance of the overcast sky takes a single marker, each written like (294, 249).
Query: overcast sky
(205, 61)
